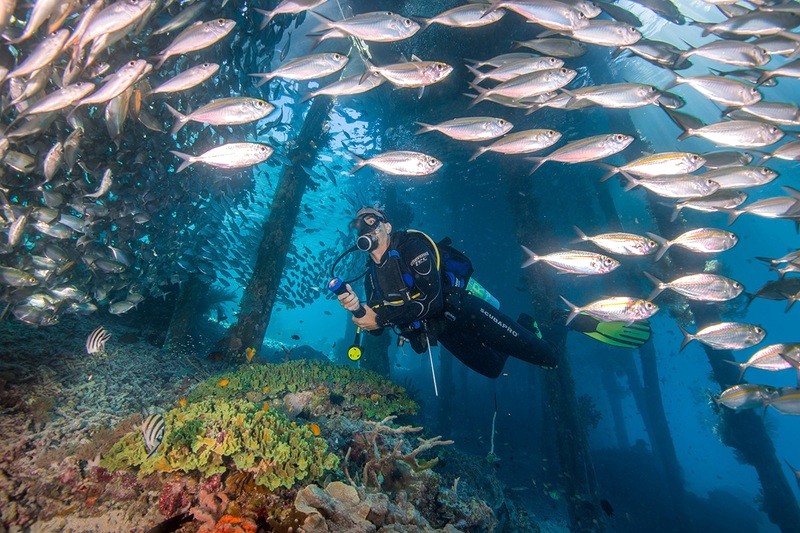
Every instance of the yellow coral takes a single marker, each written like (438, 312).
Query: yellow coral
(223, 382)
(314, 429)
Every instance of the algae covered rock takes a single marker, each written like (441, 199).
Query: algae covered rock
(326, 388)
(215, 435)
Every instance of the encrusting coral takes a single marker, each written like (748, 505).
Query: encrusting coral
(335, 389)
(218, 434)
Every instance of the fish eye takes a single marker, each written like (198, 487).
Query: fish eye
(501, 122)
(649, 305)
(618, 137)
(736, 284)
(759, 330)
(407, 22)
(551, 133)
(206, 65)
(651, 242)
(221, 21)
(131, 63)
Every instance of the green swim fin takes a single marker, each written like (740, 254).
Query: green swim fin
(614, 333)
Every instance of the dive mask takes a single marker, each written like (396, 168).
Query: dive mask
(366, 225)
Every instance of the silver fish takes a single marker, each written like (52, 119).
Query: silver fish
(116, 16)
(789, 70)
(606, 33)
(702, 287)
(14, 277)
(738, 133)
(196, 37)
(734, 53)
(787, 401)
(661, 164)
(614, 309)
(775, 207)
(620, 243)
(521, 142)
(153, 429)
(774, 112)
(769, 358)
(42, 9)
(588, 149)
(512, 69)
(187, 79)
(105, 185)
(348, 86)
(230, 155)
(700, 240)
(741, 177)
(553, 15)
(41, 56)
(469, 128)
(96, 341)
(788, 152)
(467, 16)
(224, 112)
(753, 23)
(727, 158)
(527, 85)
(574, 261)
(287, 7)
(182, 19)
(400, 163)
(726, 336)
(308, 67)
(721, 200)
(618, 95)
(378, 26)
(59, 99)
(117, 83)
(685, 186)
(745, 396)
(723, 90)
(121, 307)
(563, 48)
(413, 74)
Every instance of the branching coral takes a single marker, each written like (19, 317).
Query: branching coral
(335, 389)
(217, 435)
(379, 463)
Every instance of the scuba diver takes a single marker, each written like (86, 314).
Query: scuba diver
(423, 290)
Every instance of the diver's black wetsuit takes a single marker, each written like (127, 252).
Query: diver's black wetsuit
(408, 293)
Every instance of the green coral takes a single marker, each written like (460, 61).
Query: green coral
(375, 396)
(217, 434)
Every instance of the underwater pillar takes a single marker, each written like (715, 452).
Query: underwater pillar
(743, 431)
(256, 305)
(185, 306)
(577, 470)
(615, 401)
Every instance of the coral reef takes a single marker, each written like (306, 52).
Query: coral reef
(215, 435)
(330, 389)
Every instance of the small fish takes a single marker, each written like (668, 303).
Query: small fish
(701, 240)
(741, 177)
(400, 163)
(620, 243)
(574, 261)
(614, 309)
(685, 186)
(153, 432)
(466, 16)
(378, 26)
(786, 401)
(745, 396)
(105, 185)
(469, 128)
(562, 48)
(661, 164)
(96, 341)
(770, 357)
(249, 353)
(287, 7)
(587, 149)
(737, 133)
(726, 335)
(187, 79)
(224, 112)
(350, 85)
(701, 287)
(521, 142)
(230, 155)
(308, 67)
(196, 37)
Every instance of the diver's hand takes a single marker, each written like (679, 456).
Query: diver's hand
(369, 321)
(349, 300)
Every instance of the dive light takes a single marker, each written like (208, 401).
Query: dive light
(337, 287)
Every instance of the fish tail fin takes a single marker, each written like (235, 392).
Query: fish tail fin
(180, 119)
(308, 97)
(479, 76)
(265, 77)
(187, 159)
(662, 242)
(766, 76)
(359, 164)
(424, 129)
(267, 17)
(688, 132)
(573, 310)
(742, 367)
(581, 235)
(326, 22)
(687, 338)
(612, 170)
(478, 153)
(482, 94)
(733, 214)
(538, 161)
(659, 285)
(532, 257)
(632, 182)
(792, 299)
(494, 6)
